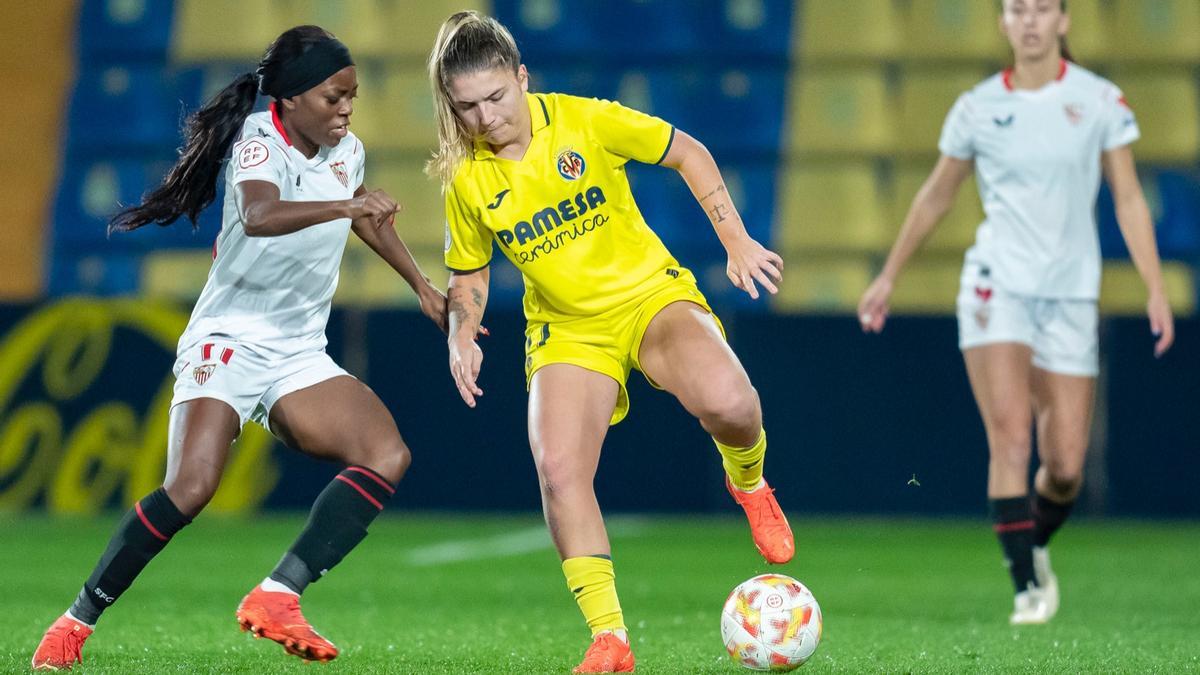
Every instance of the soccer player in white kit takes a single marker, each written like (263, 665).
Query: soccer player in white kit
(1038, 136)
(255, 346)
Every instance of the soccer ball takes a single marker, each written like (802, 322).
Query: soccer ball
(771, 622)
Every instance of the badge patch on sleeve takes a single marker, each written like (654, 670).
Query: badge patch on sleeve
(252, 154)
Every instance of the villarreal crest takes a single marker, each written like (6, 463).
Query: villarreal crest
(570, 164)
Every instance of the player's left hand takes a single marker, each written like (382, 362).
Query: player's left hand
(434, 305)
(1162, 323)
(750, 261)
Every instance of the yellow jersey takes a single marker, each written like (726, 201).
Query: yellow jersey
(564, 214)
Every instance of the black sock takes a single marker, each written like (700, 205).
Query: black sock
(337, 522)
(1012, 519)
(1048, 517)
(142, 533)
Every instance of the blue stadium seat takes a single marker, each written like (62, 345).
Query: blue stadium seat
(131, 107)
(553, 31)
(91, 191)
(1174, 198)
(749, 29)
(93, 272)
(735, 112)
(124, 30)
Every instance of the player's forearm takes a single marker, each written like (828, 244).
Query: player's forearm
(467, 298)
(1137, 228)
(278, 217)
(927, 209)
(386, 243)
(699, 170)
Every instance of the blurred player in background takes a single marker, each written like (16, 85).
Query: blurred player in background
(254, 348)
(1038, 136)
(543, 175)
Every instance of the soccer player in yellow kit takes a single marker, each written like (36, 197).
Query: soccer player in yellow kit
(543, 176)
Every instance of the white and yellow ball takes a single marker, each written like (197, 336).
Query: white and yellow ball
(771, 622)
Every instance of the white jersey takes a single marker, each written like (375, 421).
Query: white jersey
(1037, 163)
(275, 292)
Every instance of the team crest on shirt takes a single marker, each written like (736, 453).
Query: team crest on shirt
(201, 373)
(1074, 113)
(570, 164)
(339, 170)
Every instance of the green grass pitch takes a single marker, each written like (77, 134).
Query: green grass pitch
(484, 594)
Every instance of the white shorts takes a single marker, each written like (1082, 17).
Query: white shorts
(248, 381)
(1062, 332)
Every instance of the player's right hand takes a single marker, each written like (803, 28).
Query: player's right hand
(465, 360)
(873, 307)
(376, 205)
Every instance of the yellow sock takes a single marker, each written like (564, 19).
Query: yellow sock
(594, 584)
(744, 466)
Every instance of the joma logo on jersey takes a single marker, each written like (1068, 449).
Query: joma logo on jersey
(551, 217)
(570, 164)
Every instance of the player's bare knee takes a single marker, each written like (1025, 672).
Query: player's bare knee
(556, 473)
(1062, 480)
(190, 494)
(389, 459)
(733, 411)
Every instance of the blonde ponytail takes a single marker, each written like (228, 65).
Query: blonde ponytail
(466, 43)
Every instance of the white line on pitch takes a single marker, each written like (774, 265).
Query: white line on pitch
(507, 544)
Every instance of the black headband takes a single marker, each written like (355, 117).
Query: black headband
(306, 71)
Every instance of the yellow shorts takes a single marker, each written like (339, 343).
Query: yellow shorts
(608, 343)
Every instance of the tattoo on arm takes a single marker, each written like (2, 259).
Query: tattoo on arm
(477, 296)
(719, 188)
(719, 212)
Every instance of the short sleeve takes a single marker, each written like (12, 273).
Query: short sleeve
(468, 241)
(956, 140)
(628, 133)
(360, 166)
(1120, 125)
(258, 159)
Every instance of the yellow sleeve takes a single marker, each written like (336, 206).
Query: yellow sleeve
(468, 242)
(628, 133)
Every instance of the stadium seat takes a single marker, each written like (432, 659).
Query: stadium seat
(366, 280)
(552, 29)
(928, 285)
(822, 285)
(750, 30)
(956, 232)
(1174, 200)
(835, 206)
(1123, 292)
(114, 30)
(1167, 105)
(837, 30)
(1090, 40)
(92, 272)
(366, 26)
(926, 96)
(1157, 30)
(230, 30)
(423, 220)
(953, 29)
(839, 111)
(131, 108)
(394, 110)
(174, 274)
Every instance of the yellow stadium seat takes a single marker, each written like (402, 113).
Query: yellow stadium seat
(926, 96)
(230, 30)
(365, 26)
(928, 285)
(1122, 291)
(1157, 30)
(954, 29)
(176, 275)
(831, 207)
(1167, 105)
(367, 281)
(840, 30)
(422, 223)
(394, 110)
(839, 111)
(823, 284)
(1089, 39)
(956, 232)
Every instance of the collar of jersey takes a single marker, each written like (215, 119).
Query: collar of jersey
(1006, 79)
(539, 117)
(322, 151)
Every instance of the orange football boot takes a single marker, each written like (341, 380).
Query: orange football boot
(768, 526)
(276, 616)
(608, 654)
(61, 647)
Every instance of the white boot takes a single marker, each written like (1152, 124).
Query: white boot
(1029, 607)
(1047, 582)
